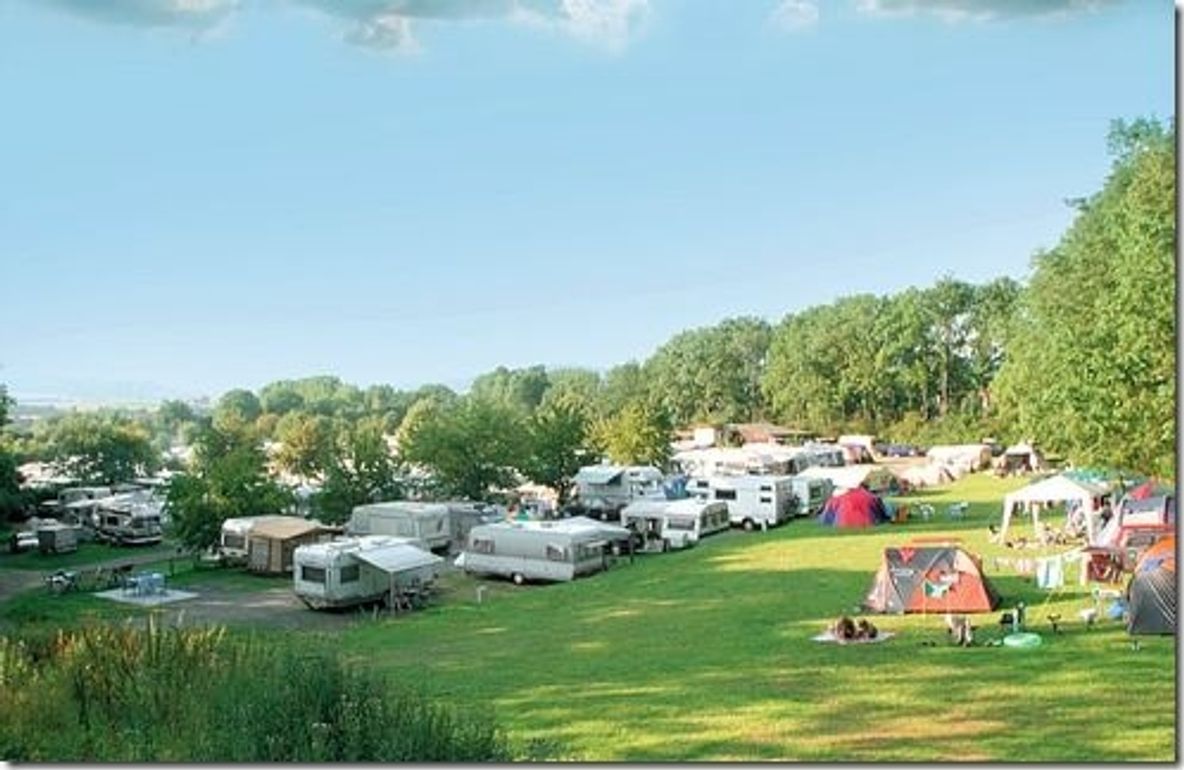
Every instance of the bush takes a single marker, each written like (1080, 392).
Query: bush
(119, 694)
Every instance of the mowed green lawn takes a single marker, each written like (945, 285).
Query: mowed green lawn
(706, 655)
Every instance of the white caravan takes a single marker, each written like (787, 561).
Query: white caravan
(811, 494)
(603, 490)
(357, 570)
(753, 501)
(429, 522)
(665, 524)
(540, 550)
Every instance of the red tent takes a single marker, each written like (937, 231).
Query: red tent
(1147, 489)
(854, 508)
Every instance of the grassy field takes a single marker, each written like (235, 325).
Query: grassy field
(87, 553)
(706, 655)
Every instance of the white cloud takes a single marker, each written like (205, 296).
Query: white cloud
(794, 15)
(389, 24)
(980, 10)
(194, 15)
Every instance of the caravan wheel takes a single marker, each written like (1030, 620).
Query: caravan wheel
(749, 525)
(518, 578)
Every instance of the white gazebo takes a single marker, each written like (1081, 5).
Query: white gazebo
(1052, 491)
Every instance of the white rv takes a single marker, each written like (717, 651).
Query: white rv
(753, 501)
(429, 522)
(557, 550)
(603, 490)
(128, 520)
(357, 570)
(661, 525)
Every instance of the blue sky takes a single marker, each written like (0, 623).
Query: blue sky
(203, 194)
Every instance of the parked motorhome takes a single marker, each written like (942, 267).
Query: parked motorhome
(55, 537)
(661, 525)
(557, 550)
(753, 501)
(270, 544)
(603, 490)
(124, 521)
(359, 570)
(429, 522)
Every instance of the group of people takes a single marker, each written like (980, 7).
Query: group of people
(847, 630)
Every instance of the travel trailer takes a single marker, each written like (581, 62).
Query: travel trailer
(810, 494)
(429, 522)
(55, 537)
(753, 501)
(602, 491)
(270, 544)
(661, 525)
(557, 550)
(359, 570)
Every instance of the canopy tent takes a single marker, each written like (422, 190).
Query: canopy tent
(1151, 596)
(1051, 491)
(936, 578)
(854, 508)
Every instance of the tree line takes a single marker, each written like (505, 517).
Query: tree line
(1080, 358)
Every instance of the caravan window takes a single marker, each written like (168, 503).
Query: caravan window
(312, 574)
(766, 499)
(350, 574)
(234, 541)
(482, 545)
(556, 552)
(725, 494)
(766, 488)
(685, 525)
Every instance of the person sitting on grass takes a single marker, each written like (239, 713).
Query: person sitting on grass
(865, 630)
(843, 629)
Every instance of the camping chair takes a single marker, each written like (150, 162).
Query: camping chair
(957, 510)
(926, 511)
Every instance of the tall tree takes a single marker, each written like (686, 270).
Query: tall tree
(359, 469)
(638, 434)
(238, 407)
(472, 446)
(101, 449)
(521, 389)
(228, 478)
(558, 444)
(1090, 368)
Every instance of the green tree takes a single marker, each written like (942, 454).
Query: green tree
(101, 449)
(1090, 369)
(712, 373)
(306, 443)
(359, 470)
(520, 389)
(559, 444)
(639, 434)
(228, 478)
(12, 499)
(236, 408)
(472, 446)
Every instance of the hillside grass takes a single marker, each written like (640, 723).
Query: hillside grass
(706, 654)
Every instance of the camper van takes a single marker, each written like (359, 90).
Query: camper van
(358, 570)
(124, 521)
(602, 491)
(660, 525)
(429, 522)
(753, 501)
(557, 550)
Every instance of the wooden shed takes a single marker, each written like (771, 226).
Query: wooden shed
(271, 543)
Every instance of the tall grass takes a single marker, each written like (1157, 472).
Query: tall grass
(125, 694)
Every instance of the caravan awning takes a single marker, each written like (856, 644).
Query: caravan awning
(397, 557)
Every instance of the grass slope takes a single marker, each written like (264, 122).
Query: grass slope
(706, 655)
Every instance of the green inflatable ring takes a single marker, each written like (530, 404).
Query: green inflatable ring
(1022, 640)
